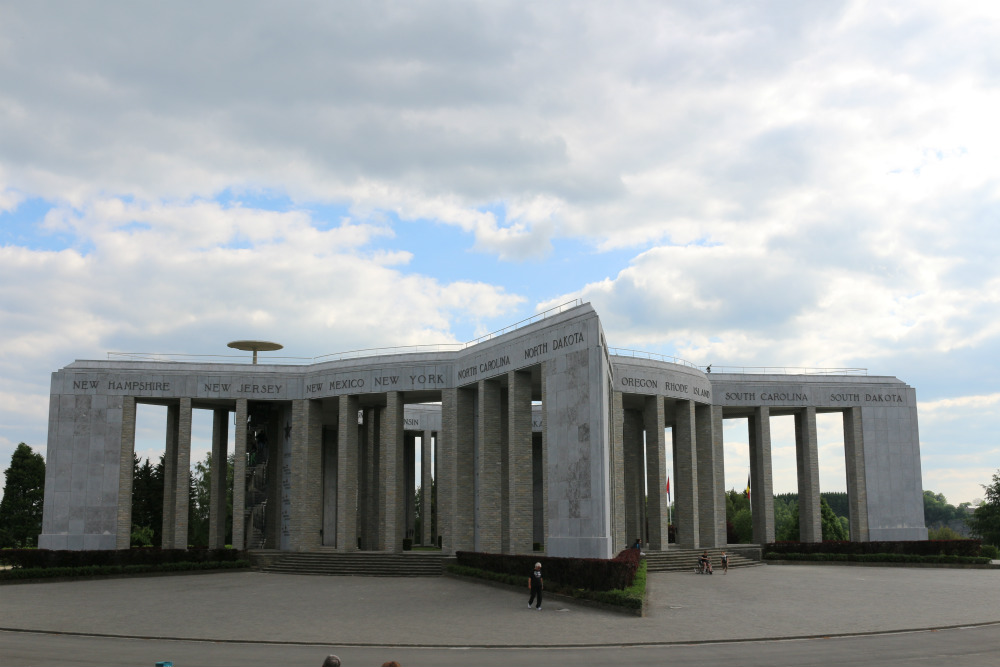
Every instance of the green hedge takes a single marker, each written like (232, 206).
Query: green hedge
(103, 570)
(45, 558)
(913, 548)
(878, 558)
(629, 598)
(594, 574)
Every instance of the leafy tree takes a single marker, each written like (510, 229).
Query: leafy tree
(786, 517)
(23, 496)
(743, 526)
(738, 518)
(943, 533)
(199, 505)
(985, 521)
(147, 502)
(833, 529)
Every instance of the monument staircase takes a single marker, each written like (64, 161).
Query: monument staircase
(681, 560)
(355, 564)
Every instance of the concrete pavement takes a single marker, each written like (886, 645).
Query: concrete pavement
(755, 603)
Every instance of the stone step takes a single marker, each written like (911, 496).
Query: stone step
(365, 564)
(679, 560)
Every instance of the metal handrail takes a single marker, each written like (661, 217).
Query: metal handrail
(786, 370)
(622, 352)
(555, 310)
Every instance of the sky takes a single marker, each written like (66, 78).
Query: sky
(778, 184)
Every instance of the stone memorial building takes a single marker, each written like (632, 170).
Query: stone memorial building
(540, 437)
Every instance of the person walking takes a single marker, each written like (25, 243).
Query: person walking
(725, 562)
(535, 585)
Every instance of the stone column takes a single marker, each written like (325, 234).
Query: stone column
(183, 487)
(619, 535)
(371, 500)
(447, 469)
(546, 369)
(857, 490)
(219, 472)
(307, 475)
(126, 467)
(686, 517)
(240, 475)
(761, 489)
(489, 464)
(347, 474)
(426, 482)
(272, 511)
(170, 476)
(329, 485)
(654, 421)
(391, 450)
(807, 464)
(409, 503)
(635, 487)
(519, 462)
(711, 476)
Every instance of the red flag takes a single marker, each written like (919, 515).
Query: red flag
(668, 487)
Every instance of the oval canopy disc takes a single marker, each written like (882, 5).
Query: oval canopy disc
(255, 345)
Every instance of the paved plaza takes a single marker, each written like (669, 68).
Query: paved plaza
(765, 602)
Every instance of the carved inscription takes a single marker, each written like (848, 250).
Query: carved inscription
(532, 352)
(260, 388)
(138, 385)
(782, 396)
(567, 341)
(426, 379)
(354, 383)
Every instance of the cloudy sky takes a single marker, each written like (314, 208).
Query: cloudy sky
(755, 184)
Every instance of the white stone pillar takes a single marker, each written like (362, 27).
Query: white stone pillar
(761, 489)
(489, 468)
(618, 522)
(857, 490)
(711, 477)
(519, 462)
(393, 467)
(183, 487)
(306, 475)
(240, 475)
(686, 474)
(807, 465)
(126, 468)
(654, 421)
(170, 477)
(635, 488)
(217, 507)
(347, 474)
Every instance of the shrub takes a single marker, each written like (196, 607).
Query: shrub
(45, 558)
(595, 574)
(989, 551)
(918, 548)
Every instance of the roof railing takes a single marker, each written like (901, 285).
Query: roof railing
(642, 354)
(350, 354)
(785, 370)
